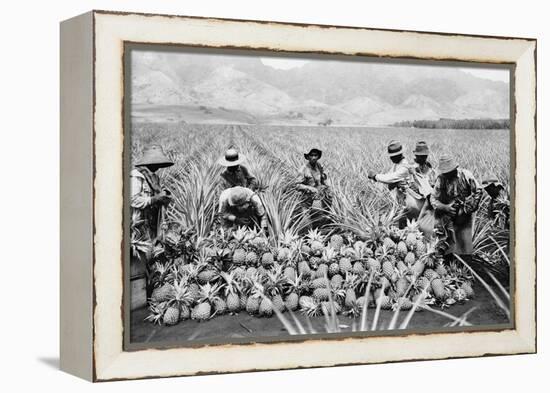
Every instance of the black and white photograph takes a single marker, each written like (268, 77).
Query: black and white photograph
(278, 195)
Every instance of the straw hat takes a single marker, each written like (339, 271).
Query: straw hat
(447, 164)
(231, 158)
(395, 148)
(317, 152)
(421, 149)
(153, 155)
(238, 196)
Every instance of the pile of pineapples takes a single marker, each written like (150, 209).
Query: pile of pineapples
(317, 274)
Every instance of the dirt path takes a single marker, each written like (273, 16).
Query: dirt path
(245, 326)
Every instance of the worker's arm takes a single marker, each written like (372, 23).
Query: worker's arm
(401, 173)
(223, 207)
(251, 181)
(435, 200)
(260, 210)
(140, 197)
(301, 182)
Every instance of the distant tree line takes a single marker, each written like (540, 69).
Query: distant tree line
(470, 124)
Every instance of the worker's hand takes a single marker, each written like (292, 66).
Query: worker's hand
(231, 217)
(371, 175)
(313, 190)
(450, 209)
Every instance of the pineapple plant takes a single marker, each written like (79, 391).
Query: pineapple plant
(316, 240)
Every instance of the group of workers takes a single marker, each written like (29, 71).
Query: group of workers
(443, 201)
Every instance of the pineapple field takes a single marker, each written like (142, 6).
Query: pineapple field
(356, 272)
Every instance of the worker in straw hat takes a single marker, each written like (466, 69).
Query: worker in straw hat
(455, 198)
(423, 166)
(401, 183)
(424, 176)
(148, 198)
(236, 174)
(147, 201)
(498, 206)
(240, 206)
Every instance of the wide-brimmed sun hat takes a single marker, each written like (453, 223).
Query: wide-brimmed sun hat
(395, 148)
(447, 164)
(317, 152)
(153, 155)
(238, 196)
(490, 179)
(231, 158)
(421, 149)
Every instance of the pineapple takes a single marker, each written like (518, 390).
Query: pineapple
(243, 301)
(266, 308)
(283, 254)
(418, 268)
(305, 249)
(384, 302)
(439, 289)
(220, 306)
(267, 259)
(468, 290)
(358, 268)
(333, 269)
(388, 269)
(239, 256)
(322, 271)
(350, 298)
(162, 293)
(259, 242)
(321, 294)
(278, 303)
(314, 261)
(328, 307)
(233, 302)
(430, 274)
(373, 264)
(231, 289)
(251, 258)
(251, 272)
(410, 258)
(420, 247)
(422, 283)
(411, 231)
(345, 265)
(401, 287)
(336, 242)
(336, 281)
(320, 282)
(207, 274)
(459, 295)
(403, 303)
(389, 244)
(402, 249)
(291, 301)
(201, 311)
(194, 290)
(309, 306)
(290, 273)
(171, 315)
(252, 304)
(304, 269)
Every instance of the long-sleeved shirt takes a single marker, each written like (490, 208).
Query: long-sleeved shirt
(253, 212)
(144, 212)
(241, 176)
(463, 187)
(309, 176)
(399, 181)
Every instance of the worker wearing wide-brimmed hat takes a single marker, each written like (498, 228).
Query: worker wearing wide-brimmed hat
(401, 183)
(455, 198)
(498, 206)
(147, 194)
(240, 206)
(423, 165)
(236, 174)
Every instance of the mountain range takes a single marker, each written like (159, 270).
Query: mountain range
(213, 88)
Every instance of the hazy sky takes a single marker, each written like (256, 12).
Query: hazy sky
(487, 73)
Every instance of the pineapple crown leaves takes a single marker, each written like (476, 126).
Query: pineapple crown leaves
(240, 234)
(289, 239)
(314, 235)
(310, 307)
(209, 293)
(182, 294)
(156, 312)
(351, 281)
(329, 254)
(230, 283)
